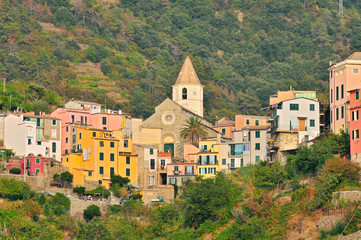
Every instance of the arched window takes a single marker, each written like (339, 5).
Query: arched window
(184, 93)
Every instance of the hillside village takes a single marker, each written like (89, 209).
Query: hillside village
(94, 144)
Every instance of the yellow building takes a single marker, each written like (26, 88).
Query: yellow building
(208, 158)
(97, 155)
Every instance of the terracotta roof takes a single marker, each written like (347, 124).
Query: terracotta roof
(187, 74)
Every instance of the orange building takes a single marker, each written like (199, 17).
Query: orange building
(355, 125)
(250, 121)
(225, 126)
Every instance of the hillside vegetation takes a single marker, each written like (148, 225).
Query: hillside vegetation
(255, 202)
(127, 54)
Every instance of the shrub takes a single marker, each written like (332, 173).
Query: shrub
(15, 170)
(121, 181)
(348, 172)
(269, 177)
(136, 196)
(63, 15)
(91, 212)
(80, 190)
(15, 190)
(66, 176)
(56, 176)
(60, 199)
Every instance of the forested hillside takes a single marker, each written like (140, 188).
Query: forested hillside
(243, 50)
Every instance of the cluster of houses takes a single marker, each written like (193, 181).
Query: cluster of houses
(96, 143)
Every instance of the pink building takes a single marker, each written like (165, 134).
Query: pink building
(34, 165)
(344, 77)
(190, 153)
(355, 125)
(178, 173)
(88, 114)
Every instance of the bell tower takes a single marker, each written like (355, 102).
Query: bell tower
(187, 90)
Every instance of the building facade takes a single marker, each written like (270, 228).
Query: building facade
(355, 124)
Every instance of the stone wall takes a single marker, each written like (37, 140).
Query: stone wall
(166, 192)
(328, 222)
(352, 236)
(36, 183)
(347, 196)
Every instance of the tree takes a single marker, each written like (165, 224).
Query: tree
(66, 177)
(14, 190)
(119, 180)
(41, 106)
(15, 170)
(80, 190)
(61, 200)
(193, 130)
(91, 212)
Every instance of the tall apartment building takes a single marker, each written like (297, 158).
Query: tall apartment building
(355, 125)
(344, 77)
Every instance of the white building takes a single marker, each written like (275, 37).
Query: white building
(22, 137)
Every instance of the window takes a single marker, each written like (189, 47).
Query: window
(331, 116)
(294, 106)
(104, 120)
(257, 146)
(38, 142)
(331, 74)
(331, 95)
(355, 134)
(202, 170)
(151, 180)
(342, 93)
(79, 135)
(127, 160)
(337, 113)
(258, 134)
(100, 182)
(312, 107)
(86, 120)
(101, 170)
(125, 143)
(74, 139)
(37, 161)
(127, 172)
(66, 151)
(67, 129)
(184, 93)
(151, 152)
(152, 164)
(232, 163)
(72, 118)
(112, 144)
(37, 171)
(101, 143)
(54, 122)
(257, 122)
(112, 157)
(257, 158)
(38, 122)
(81, 120)
(355, 115)
(112, 172)
(94, 134)
(54, 147)
(357, 95)
(247, 121)
(162, 163)
(89, 174)
(29, 141)
(312, 122)
(241, 162)
(355, 71)
(342, 112)
(66, 140)
(246, 147)
(101, 156)
(223, 131)
(249, 136)
(223, 161)
(336, 93)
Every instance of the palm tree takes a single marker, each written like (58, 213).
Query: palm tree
(193, 130)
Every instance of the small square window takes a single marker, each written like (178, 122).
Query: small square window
(127, 172)
(101, 170)
(94, 134)
(258, 134)
(312, 107)
(54, 122)
(112, 157)
(257, 122)
(223, 131)
(29, 141)
(312, 122)
(90, 174)
(247, 121)
(127, 160)
(294, 106)
(112, 144)
(126, 144)
(37, 160)
(257, 146)
(101, 156)
(257, 158)
(355, 71)
(151, 152)
(357, 95)
(101, 143)
(223, 161)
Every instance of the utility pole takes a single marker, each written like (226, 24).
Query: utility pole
(340, 8)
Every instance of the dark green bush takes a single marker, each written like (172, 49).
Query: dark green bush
(15, 170)
(15, 190)
(60, 199)
(91, 212)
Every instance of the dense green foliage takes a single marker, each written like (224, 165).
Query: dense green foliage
(80, 190)
(119, 180)
(15, 170)
(243, 51)
(14, 190)
(91, 212)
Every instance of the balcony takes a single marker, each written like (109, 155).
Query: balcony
(189, 173)
(208, 162)
(273, 145)
(176, 172)
(76, 151)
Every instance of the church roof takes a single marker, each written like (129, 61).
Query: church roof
(187, 74)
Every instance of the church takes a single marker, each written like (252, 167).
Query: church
(170, 116)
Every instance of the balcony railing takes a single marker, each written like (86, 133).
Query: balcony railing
(76, 151)
(189, 173)
(208, 162)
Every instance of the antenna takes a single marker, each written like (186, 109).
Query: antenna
(340, 8)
